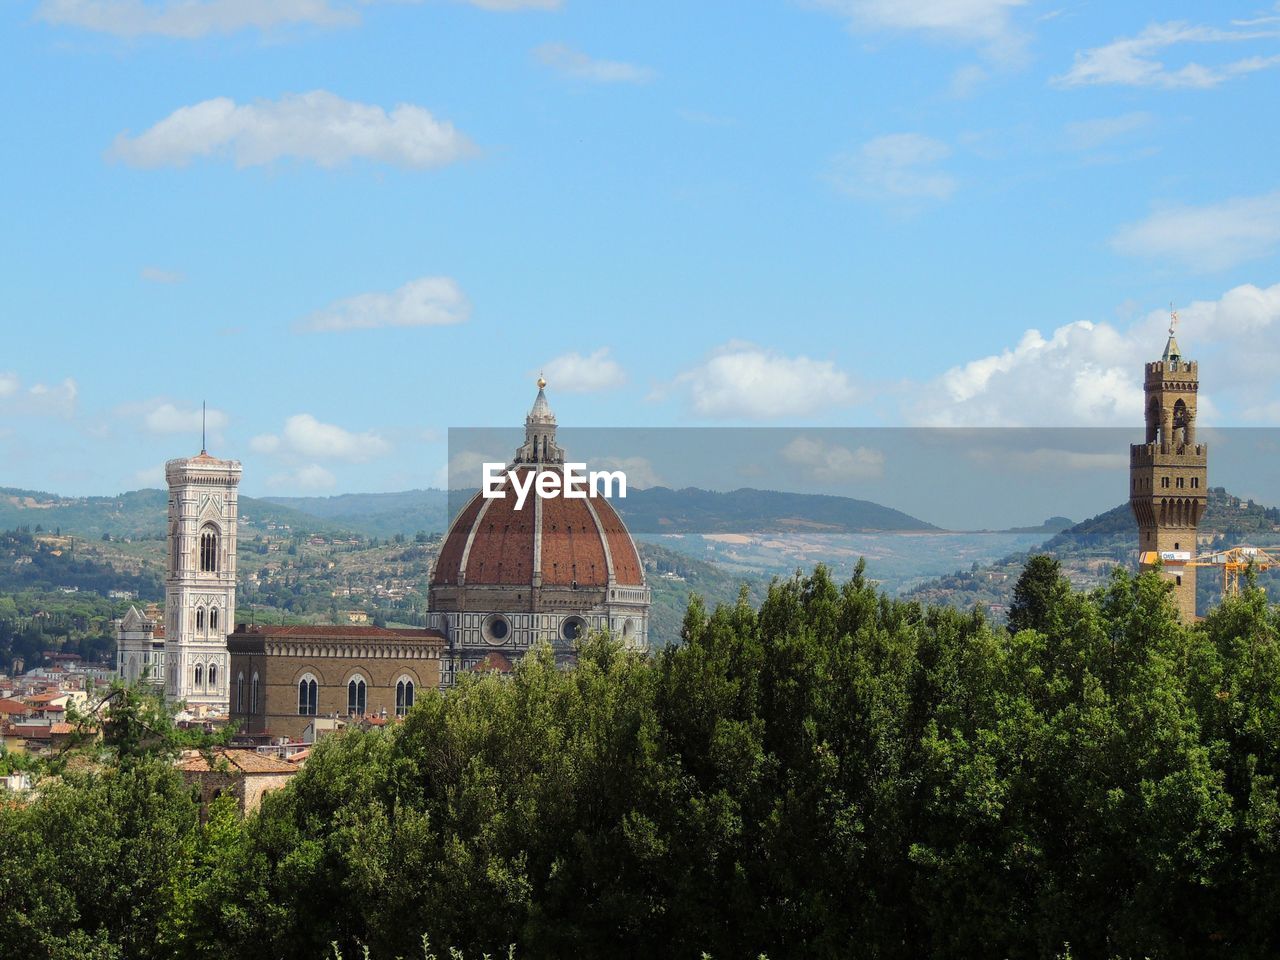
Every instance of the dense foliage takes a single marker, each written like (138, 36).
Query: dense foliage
(837, 774)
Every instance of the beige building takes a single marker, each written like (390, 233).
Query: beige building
(283, 677)
(1168, 475)
(244, 774)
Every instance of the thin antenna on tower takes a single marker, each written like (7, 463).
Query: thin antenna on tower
(204, 415)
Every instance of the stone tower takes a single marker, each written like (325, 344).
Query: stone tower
(200, 588)
(1168, 475)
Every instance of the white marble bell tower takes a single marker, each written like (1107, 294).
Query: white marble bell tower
(200, 589)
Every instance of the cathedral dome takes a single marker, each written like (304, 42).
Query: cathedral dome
(550, 542)
(551, 571)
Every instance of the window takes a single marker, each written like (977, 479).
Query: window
(306, 695)
(209, 550)
(213, 676)
(404, 696)
(573, 628)
(1164, 481)
(199, 674)
(213, 618)
(239, 693)
(1181, 482)
(355, 697)
(1195, 483)
(496, 628)
(200, 618)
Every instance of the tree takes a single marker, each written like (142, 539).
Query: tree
(1038, 594)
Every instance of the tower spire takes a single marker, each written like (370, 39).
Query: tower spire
(1172, 352)
(204, 421)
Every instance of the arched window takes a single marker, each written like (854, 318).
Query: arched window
(307, 690)
(253, 694)
(209, 549)
(199, 675)
(213, 676)
(355, 697)
(213, 618)
(199, 618)
(404, 696)
(240, 692)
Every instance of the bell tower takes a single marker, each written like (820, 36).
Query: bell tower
(200, 586)
(1168, 474)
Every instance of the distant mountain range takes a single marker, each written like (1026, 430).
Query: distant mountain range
(141, 513)
(138, 514)
(1089, 550)
(653, 510)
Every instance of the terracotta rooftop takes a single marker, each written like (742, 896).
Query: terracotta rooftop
(241, 761)
(14, 708)
(491, 542)
(328, 631)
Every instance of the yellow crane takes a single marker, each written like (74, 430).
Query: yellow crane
(1234, 562)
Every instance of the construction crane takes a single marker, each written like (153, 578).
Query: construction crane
(1233, 562)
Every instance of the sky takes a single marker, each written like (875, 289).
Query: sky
(351, 225)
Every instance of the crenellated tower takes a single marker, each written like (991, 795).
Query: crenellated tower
(1168, 474)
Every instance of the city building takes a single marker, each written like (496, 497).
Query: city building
(243, 774)
(1168, 475)
(509, 578)
(140, 646)
(284, 677)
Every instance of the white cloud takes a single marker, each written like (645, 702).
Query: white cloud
(311, 477)
(192, 19)
(318, 126)
(1215, 236)
(167, 418)
(1081, 376)
(306, 437)
(189, 19)
(640, 471)
(1088, 374)
(426, 302)
(966, 81)
(579, 66)
(159, 275)
(1131, 61)
(985, 22)
(1091, 134)
(833, 463)
(895, 167)
(40, 399)
(267, 443)
(742, 380)
(574, 373)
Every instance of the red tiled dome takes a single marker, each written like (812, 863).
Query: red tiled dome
(572, 541)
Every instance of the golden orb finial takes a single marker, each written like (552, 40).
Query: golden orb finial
(542, 381)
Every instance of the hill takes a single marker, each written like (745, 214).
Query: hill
(138, 514)
(376, 514)
(652, 510)
(691, 510)
(1090, 549)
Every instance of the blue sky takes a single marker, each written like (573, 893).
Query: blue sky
(351, 226)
